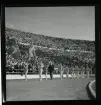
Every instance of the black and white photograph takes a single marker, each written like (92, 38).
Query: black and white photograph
(50, 53)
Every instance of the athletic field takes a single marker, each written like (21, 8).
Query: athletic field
(56, 89)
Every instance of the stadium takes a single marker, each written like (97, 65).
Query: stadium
(50, 53)
(80, 62)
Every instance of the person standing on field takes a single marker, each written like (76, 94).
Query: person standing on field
(51, 69)
(41, 70)
(67, 71)
(61, 71)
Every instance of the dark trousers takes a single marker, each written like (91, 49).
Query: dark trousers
(51, 75)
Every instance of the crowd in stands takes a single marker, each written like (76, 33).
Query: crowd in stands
(16, 65)
(75, 60)
(51, 42)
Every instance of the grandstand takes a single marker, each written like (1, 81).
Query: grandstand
(67, 51)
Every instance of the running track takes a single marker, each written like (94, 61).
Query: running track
(56, 89)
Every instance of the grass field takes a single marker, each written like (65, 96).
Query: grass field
(56, 89)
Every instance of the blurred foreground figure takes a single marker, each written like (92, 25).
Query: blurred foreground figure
(18, 49)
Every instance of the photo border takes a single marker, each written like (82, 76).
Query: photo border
(97, 53)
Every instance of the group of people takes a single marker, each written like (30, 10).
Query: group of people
(14, 65)
(51, 68)
(74, 71)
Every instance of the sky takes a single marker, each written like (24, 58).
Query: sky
(76, 22)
